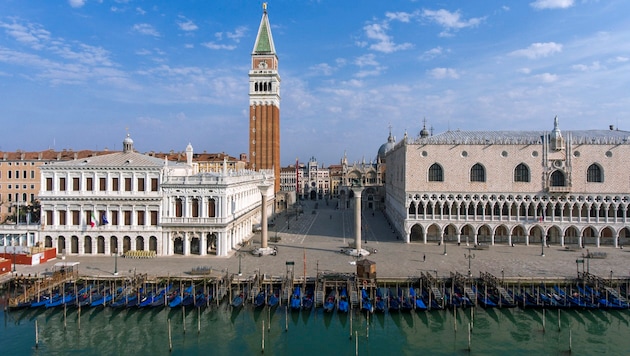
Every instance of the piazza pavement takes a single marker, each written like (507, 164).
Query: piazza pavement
(313, 242)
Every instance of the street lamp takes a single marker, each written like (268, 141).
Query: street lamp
(239, 264)
(469, 256)
(115, 261)
(14, 269)
(444, 243)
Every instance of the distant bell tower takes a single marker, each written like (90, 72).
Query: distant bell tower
(264, 103)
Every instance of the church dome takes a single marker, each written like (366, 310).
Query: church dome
(128, 144)
(387, 146)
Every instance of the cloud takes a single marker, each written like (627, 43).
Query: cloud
(213, 45)
(140, 11)
(444, 73)
(76, 3)
(587, 68)
(551, 4)
(32, 35)
(547, 77)
(187, 25)
(366, 60)
(146, 29)
(450, 20)
(538, 50)
(432, 53)
(238, 33)
(322, 68)
(384, 42)
(400, 16)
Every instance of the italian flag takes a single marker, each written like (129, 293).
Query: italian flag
(92, 220)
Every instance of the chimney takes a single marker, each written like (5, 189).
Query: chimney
(611, 127)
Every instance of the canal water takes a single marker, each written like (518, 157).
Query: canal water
(222, 330)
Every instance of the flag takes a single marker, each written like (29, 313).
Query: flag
(92, 220)
(104, 220)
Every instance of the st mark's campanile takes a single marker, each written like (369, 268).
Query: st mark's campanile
(264, 103)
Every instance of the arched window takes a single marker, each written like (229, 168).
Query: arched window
(594, 174)
(557, 179)
(477, 173)
(521, 173)
(436, 174)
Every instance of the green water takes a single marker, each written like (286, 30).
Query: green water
(221, 330)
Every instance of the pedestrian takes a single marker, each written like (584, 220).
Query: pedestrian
(424, 258)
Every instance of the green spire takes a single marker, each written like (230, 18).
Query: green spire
(264, 40)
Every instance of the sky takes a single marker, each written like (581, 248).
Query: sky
(81, 74)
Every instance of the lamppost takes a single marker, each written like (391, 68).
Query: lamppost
(469, 256)
(14, 269)
(444, 243)
(115, 261)
(240, 256)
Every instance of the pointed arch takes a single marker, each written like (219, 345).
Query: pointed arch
(594, 174)
(477, 173)
(521, 173)
(436, 173)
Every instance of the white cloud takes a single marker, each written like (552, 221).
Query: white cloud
(538, 50)
(443, 73)
(587, 68)
(140, 11)
(524, 70)
(76, 3)
(238, 33)
(620, 59)
(400, 16)
(551, 4)
(187, 25)
(213, 45)
(547, 77)
(432, 53)
(33, 35)
(146, 29)
(322, 68)
(384, 42)
(366, 60)
(450, 20)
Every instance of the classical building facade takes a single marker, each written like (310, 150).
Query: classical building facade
(264, 103)
(127, 201)
(511, 187)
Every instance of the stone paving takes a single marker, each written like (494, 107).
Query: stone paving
(314, 240)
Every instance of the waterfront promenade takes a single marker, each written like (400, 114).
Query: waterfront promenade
(313, 242)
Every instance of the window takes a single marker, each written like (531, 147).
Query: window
(32, 174)
(62, 184)
(75, 184)
(115, 184)
(17, 174)
(49, 185)
(127, 217)
(62, 217)
(141, 184)
(140, 217)
(154, 218)
(49, 217)
(154, 184)
(89, 184)
(9, 174)
(594, 174)
(75, 217)
(436, 174)
(127, 184)
(557, 179)
(102, 184)
(477, 173)
(114, 215)
(521, 173)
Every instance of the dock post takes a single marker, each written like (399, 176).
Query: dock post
(184, 318)
(350, 313)
(79, 316)
(455, 318)
(472, 318)
(469, 331)
(170, 340)
(356, 342)
(36, 335)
